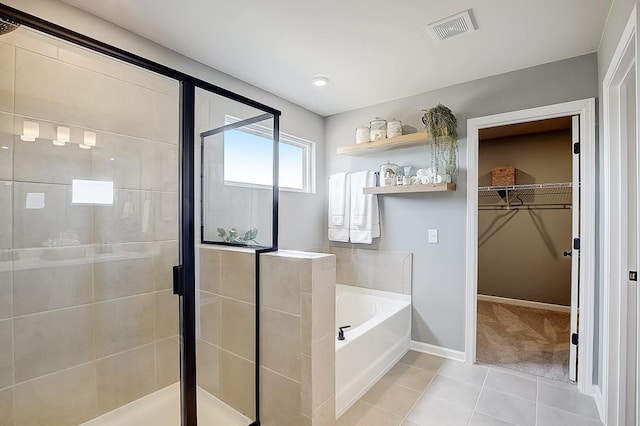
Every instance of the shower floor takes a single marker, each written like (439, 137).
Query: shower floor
(162, 408)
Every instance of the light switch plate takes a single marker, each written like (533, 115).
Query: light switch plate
(433, 236)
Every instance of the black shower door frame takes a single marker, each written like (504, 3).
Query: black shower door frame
(184, 273)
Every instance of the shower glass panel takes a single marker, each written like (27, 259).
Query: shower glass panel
(88, 237)
(237, 172)
(235, 148)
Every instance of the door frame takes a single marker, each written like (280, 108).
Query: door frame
(614, 307)
(585, 108)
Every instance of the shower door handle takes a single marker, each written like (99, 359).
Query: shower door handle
(177, 280)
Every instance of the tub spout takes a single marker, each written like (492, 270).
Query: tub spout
(341, 331)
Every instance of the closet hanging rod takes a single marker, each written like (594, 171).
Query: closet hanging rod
(528, 207)
(527, 186)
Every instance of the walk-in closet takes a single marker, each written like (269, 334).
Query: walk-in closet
(526, 227)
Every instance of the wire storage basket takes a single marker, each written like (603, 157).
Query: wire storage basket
(503, 176)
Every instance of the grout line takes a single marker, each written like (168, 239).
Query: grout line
(387, 411)
(13, 357)
(284, 377)
(572, 413)
(424, 391)
(479, 393)
(537, 399)
(93, 339)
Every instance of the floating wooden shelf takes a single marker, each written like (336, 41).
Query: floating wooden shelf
(408, 189)
(404, 141)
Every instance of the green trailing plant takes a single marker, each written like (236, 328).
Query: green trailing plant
(442, 139)
(232, 236)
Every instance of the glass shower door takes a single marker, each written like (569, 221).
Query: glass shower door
(88, 237)
(236, 148)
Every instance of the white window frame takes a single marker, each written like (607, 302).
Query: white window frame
(308, 153)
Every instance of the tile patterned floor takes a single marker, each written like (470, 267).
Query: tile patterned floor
(425, 390)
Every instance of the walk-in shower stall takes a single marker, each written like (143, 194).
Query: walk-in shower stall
(116, 173)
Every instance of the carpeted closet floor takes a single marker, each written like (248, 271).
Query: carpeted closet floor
(535, 341)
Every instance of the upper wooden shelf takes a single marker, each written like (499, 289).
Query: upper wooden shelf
(407, 189)
(404, 141)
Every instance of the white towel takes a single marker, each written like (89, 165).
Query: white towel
(365, 217)
(339, 205)
(337, 198)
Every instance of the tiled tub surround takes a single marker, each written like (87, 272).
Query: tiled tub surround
(378, 337)
(84, 330)
(374, 269)
(297, 333)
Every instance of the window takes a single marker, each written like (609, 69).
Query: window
(248, 159)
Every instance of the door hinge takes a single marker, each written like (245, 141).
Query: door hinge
(574, 339)
(576, 148)
(633, 275)
(576, 243)
(177, 280)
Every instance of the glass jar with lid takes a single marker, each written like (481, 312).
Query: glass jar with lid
(378, 129)
(363, 134)
(394, 128)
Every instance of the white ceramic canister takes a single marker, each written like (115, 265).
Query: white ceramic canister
(378, 129)
(394, 128)
(363, 134)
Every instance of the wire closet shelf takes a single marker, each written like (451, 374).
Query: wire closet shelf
(532, 196)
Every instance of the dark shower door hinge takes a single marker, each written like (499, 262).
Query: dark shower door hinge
(633, 275)
(574, 339)
(576, 148)
(576, 243)
(177, 280)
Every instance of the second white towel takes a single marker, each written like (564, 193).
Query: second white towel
(364, 214)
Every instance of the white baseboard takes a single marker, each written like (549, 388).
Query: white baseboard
(437, 350)
(525, 303)
(596, 392)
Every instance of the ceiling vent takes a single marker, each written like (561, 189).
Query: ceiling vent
(452, 26)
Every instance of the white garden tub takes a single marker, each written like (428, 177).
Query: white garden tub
(379, 336)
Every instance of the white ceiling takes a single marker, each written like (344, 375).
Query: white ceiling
(372, 51)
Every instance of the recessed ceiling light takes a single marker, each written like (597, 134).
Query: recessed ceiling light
(320, 81)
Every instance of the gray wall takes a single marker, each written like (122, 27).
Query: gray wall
(297, 210)
(520, 251)
(439, 269)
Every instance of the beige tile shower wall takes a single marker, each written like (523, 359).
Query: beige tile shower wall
(226, 326)
(298, 339)
(85, 329)
(375, 269)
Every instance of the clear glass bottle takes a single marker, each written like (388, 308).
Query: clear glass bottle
(378, 129)
(388, 174)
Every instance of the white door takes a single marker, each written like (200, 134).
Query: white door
(575, 253)
(628, 97)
